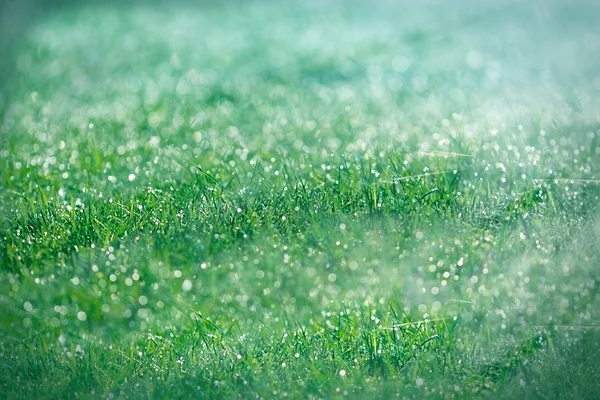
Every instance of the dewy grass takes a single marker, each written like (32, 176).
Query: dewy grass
(302, 200)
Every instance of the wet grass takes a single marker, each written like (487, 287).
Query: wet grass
(297, 200)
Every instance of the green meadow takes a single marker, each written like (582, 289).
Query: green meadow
(313, 200)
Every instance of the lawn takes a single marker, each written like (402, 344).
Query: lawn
(261, 199)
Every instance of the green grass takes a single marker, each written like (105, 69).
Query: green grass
(302, 200)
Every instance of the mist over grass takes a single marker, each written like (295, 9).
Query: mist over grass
(302, 199)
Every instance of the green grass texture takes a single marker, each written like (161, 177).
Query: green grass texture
(305, 200)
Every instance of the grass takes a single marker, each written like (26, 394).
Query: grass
(301, 200)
